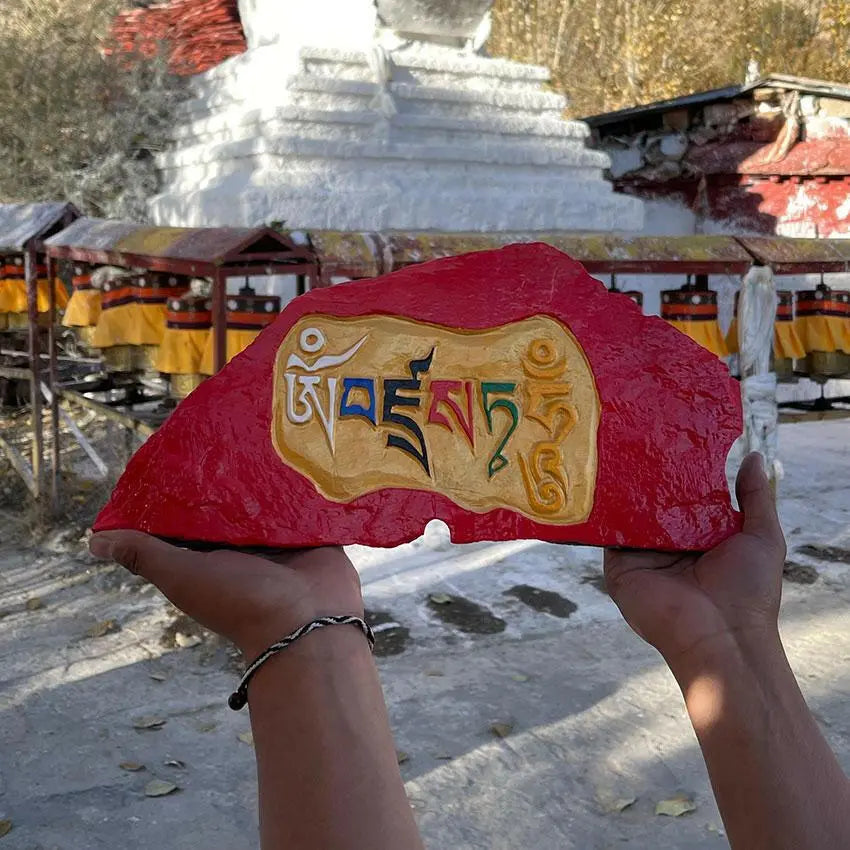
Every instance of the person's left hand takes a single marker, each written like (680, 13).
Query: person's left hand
(251, 600)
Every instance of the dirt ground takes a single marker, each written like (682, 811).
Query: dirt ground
(525, 712)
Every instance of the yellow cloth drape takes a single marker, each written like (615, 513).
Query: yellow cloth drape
(13, 296)
(43, 295)
(148, 324)
(83, 309)
(181, 351)
(786, 343)
(115, 326)
(237, 341)
(706, 333)
(823, 333)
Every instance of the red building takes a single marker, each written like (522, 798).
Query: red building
(771, 156)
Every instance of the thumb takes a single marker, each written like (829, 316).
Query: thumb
(757, 500)
(168, 567)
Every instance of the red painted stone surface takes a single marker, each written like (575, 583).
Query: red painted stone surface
(669, 413)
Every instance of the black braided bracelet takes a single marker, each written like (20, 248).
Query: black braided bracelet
(239, 698)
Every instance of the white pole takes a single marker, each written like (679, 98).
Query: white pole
(756, 317)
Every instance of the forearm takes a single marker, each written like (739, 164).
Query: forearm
(777, 782)
(326, 761)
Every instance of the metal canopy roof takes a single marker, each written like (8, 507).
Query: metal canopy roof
(182, 250)
(347, 254)
(22, 223)
(370, 254)
(597, 252)
(784, 82)
(799, 256)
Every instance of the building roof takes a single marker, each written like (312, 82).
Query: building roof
(182, 250)
(21, 223)
(780, 82)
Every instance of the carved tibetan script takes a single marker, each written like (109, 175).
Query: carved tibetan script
(498, 418)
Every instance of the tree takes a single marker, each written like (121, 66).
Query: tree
(80, 122)
(609, 54)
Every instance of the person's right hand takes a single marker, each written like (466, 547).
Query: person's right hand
(252, 600)
(685, 602)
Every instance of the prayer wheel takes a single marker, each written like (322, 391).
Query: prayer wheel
(786, 344)
(152, 291)
(83, 309)
(113, 331)
(693, 311)
(823, 326)
(187, 329)
(13, 299)
(247, 314)
(13, 293)
(634, 294)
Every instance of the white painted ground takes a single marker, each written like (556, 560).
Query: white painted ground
(594, 714)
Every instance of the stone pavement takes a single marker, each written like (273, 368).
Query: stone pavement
(518, 634)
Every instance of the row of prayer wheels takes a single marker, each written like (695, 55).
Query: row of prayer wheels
(159, 322)
(811, 333)
(13, 294)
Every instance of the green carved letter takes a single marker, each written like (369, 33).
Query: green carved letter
(498, 460)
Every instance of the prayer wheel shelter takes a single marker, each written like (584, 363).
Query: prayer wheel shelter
(23, 229)
(211, 252)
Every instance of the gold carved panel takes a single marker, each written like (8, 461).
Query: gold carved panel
(502, 417)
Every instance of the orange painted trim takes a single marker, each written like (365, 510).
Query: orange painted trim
(251, 318)
(706, 311)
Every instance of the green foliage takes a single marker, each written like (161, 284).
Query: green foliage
(608, 54)
(79, 122)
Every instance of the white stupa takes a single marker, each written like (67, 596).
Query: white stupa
(362, 115)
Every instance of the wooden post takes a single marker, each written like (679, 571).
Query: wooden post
(756, 318)
(31, 274)
(219, 320)
(53, 398)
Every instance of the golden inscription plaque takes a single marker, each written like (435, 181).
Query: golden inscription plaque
(498, 418)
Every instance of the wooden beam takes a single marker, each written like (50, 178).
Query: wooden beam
(85, 445)
(16, 373)
(20, 465)
(131, 423)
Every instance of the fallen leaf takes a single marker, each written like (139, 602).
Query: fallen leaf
(157, 677)
(159, 788)
(675, 806)
(34, 603)
(130, 765)
(402, 756)
(186, 641)
(207, 727)
(440, 598)
(174, 763)
(104, 627)
(612, 805)
(5, 827)
(246, 738)
(149, 722)
(519, 677)
(501, 730)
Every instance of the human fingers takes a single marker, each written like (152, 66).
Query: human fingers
(757, 502)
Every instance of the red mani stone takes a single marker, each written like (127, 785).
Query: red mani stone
(650, 471)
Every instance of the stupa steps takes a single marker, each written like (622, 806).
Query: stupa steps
(333, 94)
(435, 66)
(290, 153)
(438, 204)
(241, 122)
